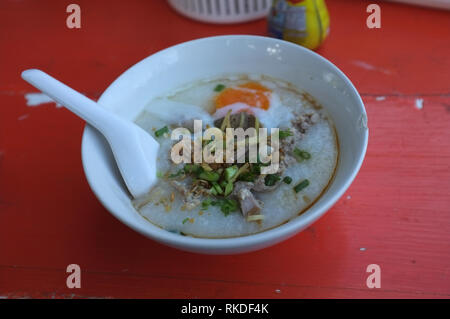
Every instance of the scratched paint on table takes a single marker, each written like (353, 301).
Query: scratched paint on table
(36, 99)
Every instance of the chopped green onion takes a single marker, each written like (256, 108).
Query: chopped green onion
(271, 179)
(284, 134)
(159, 174)
(305, 155)
(287, 180)
(304, 183)
(228, 189)
(217, 187)
(193, 168)
(230, 172)
(256, 169)
(206, 203)
(219, 87)
(206, 167)
(301, 155)
(297, 155)
(179, 173)
(162, 131)
(247, 177)
(209, 176)
(226, 205)
(185, 220)
(241, 170)
(229, 206)
(251, 175)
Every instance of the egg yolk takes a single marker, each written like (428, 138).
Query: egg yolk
(251, 93)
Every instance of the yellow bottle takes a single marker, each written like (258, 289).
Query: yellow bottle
(305, 22)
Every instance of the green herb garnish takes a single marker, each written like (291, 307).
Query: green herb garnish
(193, 169)
(230, 172)
(162, 131)
(287, 180)
(256, 169)
(301, 155)
(304, 183)
(217, 187)
(223, 183)
(228, 189)
(226, 205)
(247, 177)
(179, 173)
(219, 87)
(185, 220)
(251, 175)
(206, 203)
(271, 179)
(209, 176)
(305, 155)
(284, 134)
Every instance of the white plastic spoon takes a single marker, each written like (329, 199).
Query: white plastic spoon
(134, 149)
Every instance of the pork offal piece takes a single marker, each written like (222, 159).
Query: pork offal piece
(249, 204)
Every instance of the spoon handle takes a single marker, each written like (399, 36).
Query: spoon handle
(134, 149)
(76, 102)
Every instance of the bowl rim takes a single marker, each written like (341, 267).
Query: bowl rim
(282, 231)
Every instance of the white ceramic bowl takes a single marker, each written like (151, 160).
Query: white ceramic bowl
(205, 58)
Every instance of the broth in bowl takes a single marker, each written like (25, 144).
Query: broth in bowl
(244, 193)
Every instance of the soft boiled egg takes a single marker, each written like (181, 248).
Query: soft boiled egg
(253, 98)
(252, 93)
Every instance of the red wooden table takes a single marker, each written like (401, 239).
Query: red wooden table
(396, 214)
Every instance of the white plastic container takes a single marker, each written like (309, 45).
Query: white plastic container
(222, 11)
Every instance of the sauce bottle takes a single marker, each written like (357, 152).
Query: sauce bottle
(305, 22)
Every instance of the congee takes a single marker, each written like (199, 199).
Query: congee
(211, 182)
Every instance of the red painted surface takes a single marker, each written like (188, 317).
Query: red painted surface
(396, 214)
